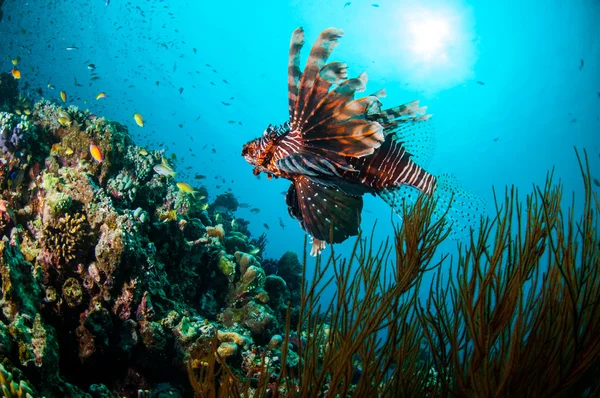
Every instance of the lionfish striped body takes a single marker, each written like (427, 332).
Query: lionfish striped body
(336, 148)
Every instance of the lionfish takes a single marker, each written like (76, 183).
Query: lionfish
(336, 148)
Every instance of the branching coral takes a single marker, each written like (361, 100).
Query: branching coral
(12, 389)
(519, 316)
(65, 237)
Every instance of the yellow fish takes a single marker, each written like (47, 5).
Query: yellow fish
(185, 187)
(18, 111)
(96, 153)
(56, 148)
(138, 119)
(101, 95)
(63, 96)
(16, 73)
(16, 60)
(64, 121)
(27, 112)
(68, 151)
(143, 152)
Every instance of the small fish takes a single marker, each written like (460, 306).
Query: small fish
(480, 83)
(496, 139)
(199, 177)
(15, 73)
(138, 119)
(143, 152)
(581, 63)
(255, 210)
(56, 148)
(180, 90)
(347, 4)
(185, 187)
(225, 103)
(375, 5)
(266, 225)
(96, 153)
(164, 169)
(50, 86)
(254, 251)
(107, 3)
(72, 48)
(64, 121)
(101, 95)
(244, 205)
(91, 67)
(68, 151)
(171, 215)
(63, 96)
(596, 182)
(281, 224)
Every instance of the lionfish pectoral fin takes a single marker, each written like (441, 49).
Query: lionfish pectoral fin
(461, 209)
(313, 165)
(326, 212)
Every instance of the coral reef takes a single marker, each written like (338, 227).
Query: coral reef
(114, 283)
(111, 276)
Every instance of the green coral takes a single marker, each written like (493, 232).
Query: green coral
(227, 267)
(12, 389)
(58, 202)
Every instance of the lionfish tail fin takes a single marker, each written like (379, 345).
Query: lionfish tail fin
(462, 209)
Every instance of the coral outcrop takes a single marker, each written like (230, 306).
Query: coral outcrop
(110, 275)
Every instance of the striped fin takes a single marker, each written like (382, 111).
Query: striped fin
(330, 74)
(294, 72)
(343, 125)
(313, 165)
(463, 210)
(324, 45)
(410, 125)
(326, 212)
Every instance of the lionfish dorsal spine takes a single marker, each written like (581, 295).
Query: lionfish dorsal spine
(322, 48)
(294, 72)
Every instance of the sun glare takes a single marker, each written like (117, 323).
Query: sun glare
(430, 36)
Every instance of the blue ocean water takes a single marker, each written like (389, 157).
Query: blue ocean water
(513, 86)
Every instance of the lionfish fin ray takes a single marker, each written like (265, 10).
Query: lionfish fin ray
(326, 211)
(294, 72)
(322, 48)
(462, 209)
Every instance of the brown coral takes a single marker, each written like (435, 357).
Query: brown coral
(65, 238)
(216, 232)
